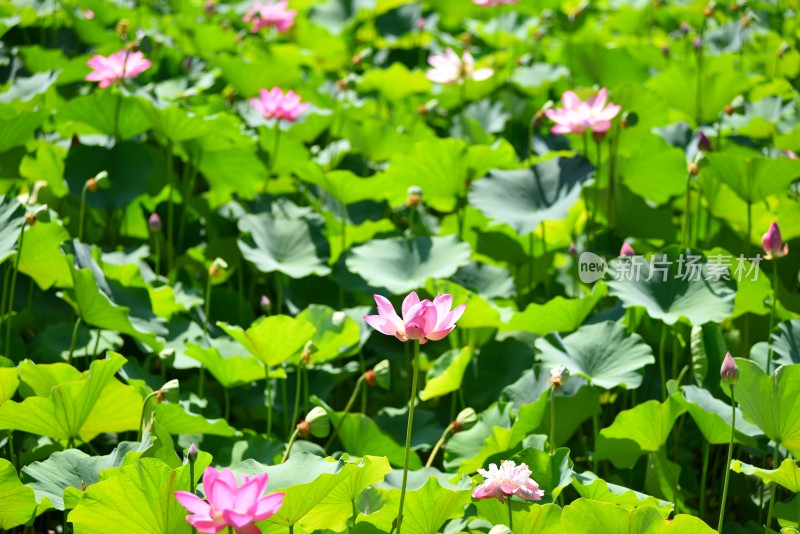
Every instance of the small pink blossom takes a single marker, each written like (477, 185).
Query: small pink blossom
(269, 14)
(576, 116)
(88, 14)
(230, 504)
(729, 372)
(422, 320)
(773, 244)
(509, 479)
(626, 250)
(789, 154)
(274, 104)
(493, 3)
(116, 67)
(449, 68)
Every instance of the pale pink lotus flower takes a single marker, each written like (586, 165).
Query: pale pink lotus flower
(116, 67)
(494, 3)
(274, 104)
(269, 14)
(626, 250)
(230, 504)
(576, 116)
(509, 479)
(449, 68)
(773, 244)
(422, 320)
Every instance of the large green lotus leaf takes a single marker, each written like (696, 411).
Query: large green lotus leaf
(336, 335)
(713, 417)
(243, 70)
(81, 408)
(47, 166)
(9, 381)
(785, 343)
(553, 472)
(230, 370)
(488, 281)
(361, 436)
(336, 508)
(19, 125)
(584, 516)
(12, 219)
(479, 312)
(273, 340)
(446, 374)
(603, 353)
(41, 257)
(176, 124)
(528, 518)
(648, 424)
(525, 198)
(752, 179)
(556, 315)
(176, 420)
(19, 502)
(589, 486)
(25, 89)
(787, 475)
(345, 186)
(232, 171)
(426, 509)
(402, 265)
(708, 349)
(138, 498)
(75, 469)
(656, 171)
(395, 83)
(772, 402)
(700, 301)
(97, 112)
(288, 240)
(538, 77)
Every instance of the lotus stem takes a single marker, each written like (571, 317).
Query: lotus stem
(596, 432)
(157, 258)
(661, 361)
(772, 315)
(227, 399)
(728, 463)
(268, 395)
(510, 516)
(553, 421)
(773, 489)
(298, 389)
(13, 289)
(73, 340)
(289, 445)
(344, 412)
(81, 215)
(704, 478)
(274, 155)
(686, 211)
(439, 445)
(411, 403)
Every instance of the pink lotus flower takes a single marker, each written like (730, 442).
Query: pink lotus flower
(277, 15)
(510, 479)
(493, 3)
(729, 372)
(626, 250)
(773, 244)
(275, 104)
(228, 504)
(422, 320)
(116, 67)
(449, 68)
(576, 116)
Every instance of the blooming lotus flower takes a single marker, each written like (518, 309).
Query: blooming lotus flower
(576, 116)
(773, 244)
(729, 371)
(493, 3)
(422, 320)
(230, 504)
(509, 479)
(275, 104)
(116, 67)
(626, 250)
(449, 68)
(277, 15)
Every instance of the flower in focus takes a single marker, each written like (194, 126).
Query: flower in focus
(277, 15)
(274, 104)
(576, 116)
(729, 371)
(422, 320)
(626, 250)
(509, 479)
(116, 67)
(449, 68)
(493, 3)
(229, 504)
(773, 244)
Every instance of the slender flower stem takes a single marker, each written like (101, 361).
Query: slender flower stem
(201, 378)
(73, 340)
(192, 488)
(289, 446)
(439, 445)
(268, 395)
(7, 352)
(227, 398)
(411, 402)
(274, 154)
(728, 463)
(117, 110)
(553, 420)
(157, 257)
(661, 361)
(704, 478)
(82, 212)
(510, 517)
(596, 432)
(686, 212)
(773, 489)
(772, 315)
(298, 389)
(345, 412)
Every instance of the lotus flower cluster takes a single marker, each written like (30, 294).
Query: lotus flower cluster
(116, 67)
(773, 244)
(422, 320)
(509, 479)
(450, 68)
(276, 15)
(275, 104)
(576, 116)
(230, 505)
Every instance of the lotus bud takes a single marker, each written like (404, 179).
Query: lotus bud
(99, 181)
(30, 218)
(338, 318)
(319, 424)
(191, 454)
(265, 303)
(745, 21)
(573, 249)
(626, 250)
(154, 223)
(703, 142)
(558, 375)
(465, 420)
(729, 371)
(729, 109)
(209, 8)
(169, 392)
(684, 28)
(217, 268)
(414, 196)
(420, 23)
(380, 375)
(697, 43)
(308, 350)
(665, 50)
(773, 244)
(693, 169)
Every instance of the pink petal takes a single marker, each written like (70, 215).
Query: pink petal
(482, 74)
(193, 503)
(570, 100)
(268, 506)
(411, 300)
(205, 526)
(236, 519)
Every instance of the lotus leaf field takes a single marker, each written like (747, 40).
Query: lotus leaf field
(395, 266)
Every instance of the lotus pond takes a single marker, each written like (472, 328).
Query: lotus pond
(459, 266)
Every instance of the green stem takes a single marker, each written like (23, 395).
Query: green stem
(772, 316)
(274, 154)
(704, 479)
(74, 340)
(268, 395)
(170, 210)
(728, 463)
(117, 111)
(661, 361)
(227, 398)
(144, 410)
(11, 451)
(207, 309)
(6, 281)
(192, 488)
(596, 433)
(510, 518)
(439, 445)
(289, 446)
(345, 412)
(411, 402)
(531, 260)
(749, 228)
(13, 290)
(686, 212)
(773, 489)
(553, 421)
(297, 390)
(81, 215)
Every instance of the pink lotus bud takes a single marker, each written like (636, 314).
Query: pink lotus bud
(665, 50)
(773, 244)
(626, 250)
(729, 371)
(154, 223)
(191, 454)
(265, 303)
(573, 249)
(703, 142)
(684, 28)
(697, 43)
